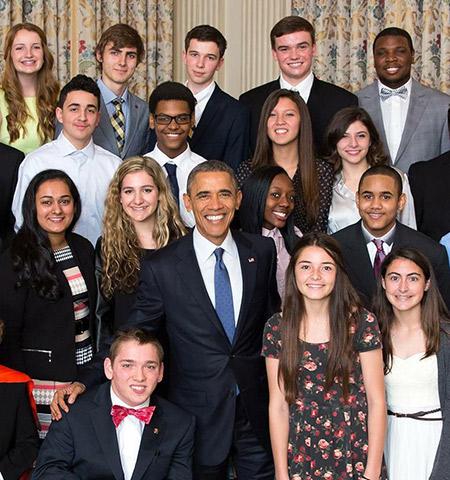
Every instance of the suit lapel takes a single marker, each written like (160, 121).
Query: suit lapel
(248, 268)
(105, 430)
(107, 129)
(133, 115)
(150, 441)
(189, 272)
(373, 100)
(417, 104)
(207, 118)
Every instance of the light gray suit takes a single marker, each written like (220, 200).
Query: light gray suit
(425, 135)
(137, 132)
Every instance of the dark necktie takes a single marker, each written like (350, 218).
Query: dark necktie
(386, 93)
(118, 123)
(171, 170)
(144, 414)
(223, 295)
(379, 257)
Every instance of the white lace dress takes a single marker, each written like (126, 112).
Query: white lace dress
(410, 447)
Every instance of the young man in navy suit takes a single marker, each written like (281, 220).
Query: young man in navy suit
(120, 429)
(366, 243)
(293, 48)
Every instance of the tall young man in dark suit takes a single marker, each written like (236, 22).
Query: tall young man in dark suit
(366, 243)
(294, 48)
(213, 290)
(411, 118)
(113, 432)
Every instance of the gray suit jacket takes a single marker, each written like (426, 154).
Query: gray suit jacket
(425, 135)
(137, 134)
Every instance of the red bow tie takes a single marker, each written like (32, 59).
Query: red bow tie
(144, 414)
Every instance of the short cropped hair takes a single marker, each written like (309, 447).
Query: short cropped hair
(291, 24)
(121, 35)
(385, 170)
(79, 82)
(394, 32)
(206, 33)
(211, 166)
(171, 91)
(138, 335)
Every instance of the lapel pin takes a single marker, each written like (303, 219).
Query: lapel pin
(156, 431)
(251, 260)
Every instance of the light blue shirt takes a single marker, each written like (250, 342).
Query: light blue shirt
(108, 96)
(445, 240)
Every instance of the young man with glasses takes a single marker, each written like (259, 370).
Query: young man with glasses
(172, 117)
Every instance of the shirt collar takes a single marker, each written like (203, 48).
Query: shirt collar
(387, 238)
(162, 158)
(115, 400)
(67, 148)
(108, 95)
(272, 233)
(303, 85)
(408, 85)
(204, 248)
(206, 92)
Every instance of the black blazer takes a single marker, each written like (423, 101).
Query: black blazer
(83, 444)
(430, 186)
(46, 329)
(204, 366)
(18, 434)
(359, 267)
(324, 101)
(10, 159)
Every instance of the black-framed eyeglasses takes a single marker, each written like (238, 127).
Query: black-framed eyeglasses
(163, 119)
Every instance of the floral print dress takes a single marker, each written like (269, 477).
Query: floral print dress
(327, 435)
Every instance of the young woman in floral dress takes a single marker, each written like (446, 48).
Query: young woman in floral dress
(324, 363)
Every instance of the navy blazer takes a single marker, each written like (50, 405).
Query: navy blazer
(324, 101)
(360, 270)
(83, 444)
(204, 366)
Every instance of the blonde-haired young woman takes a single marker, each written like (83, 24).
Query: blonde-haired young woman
(29, 90)
(140, 216)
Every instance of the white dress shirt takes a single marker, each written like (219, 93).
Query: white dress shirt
(394, 111)
(388, 241)
(344, 212)
(303, 87)
(204, 251)
(202, 98)
(91, 169)
(185, 162)
(129, 435)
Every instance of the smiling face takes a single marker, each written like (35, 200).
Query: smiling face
(202, 60)
(118, 66)
(393, 59)
(27, 53)
(378, 201)
(172, 138)
(283, 124)
(139, 197)
(354, 145)
(213, 199)
(54, 209)
(294, 53)
(315, 273)
(280, 202)
(405, 285)
(79, 117)
(135, 372)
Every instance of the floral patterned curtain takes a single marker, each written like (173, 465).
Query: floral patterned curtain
(345, 30)
(74, 26)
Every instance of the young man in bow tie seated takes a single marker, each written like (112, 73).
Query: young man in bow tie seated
(120, 430)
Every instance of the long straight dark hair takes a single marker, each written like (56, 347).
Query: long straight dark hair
(307, 170)
(344, 313)
(250, 216)
(31, 251)
(433, 309)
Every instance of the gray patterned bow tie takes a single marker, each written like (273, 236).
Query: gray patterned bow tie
(386, 93)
